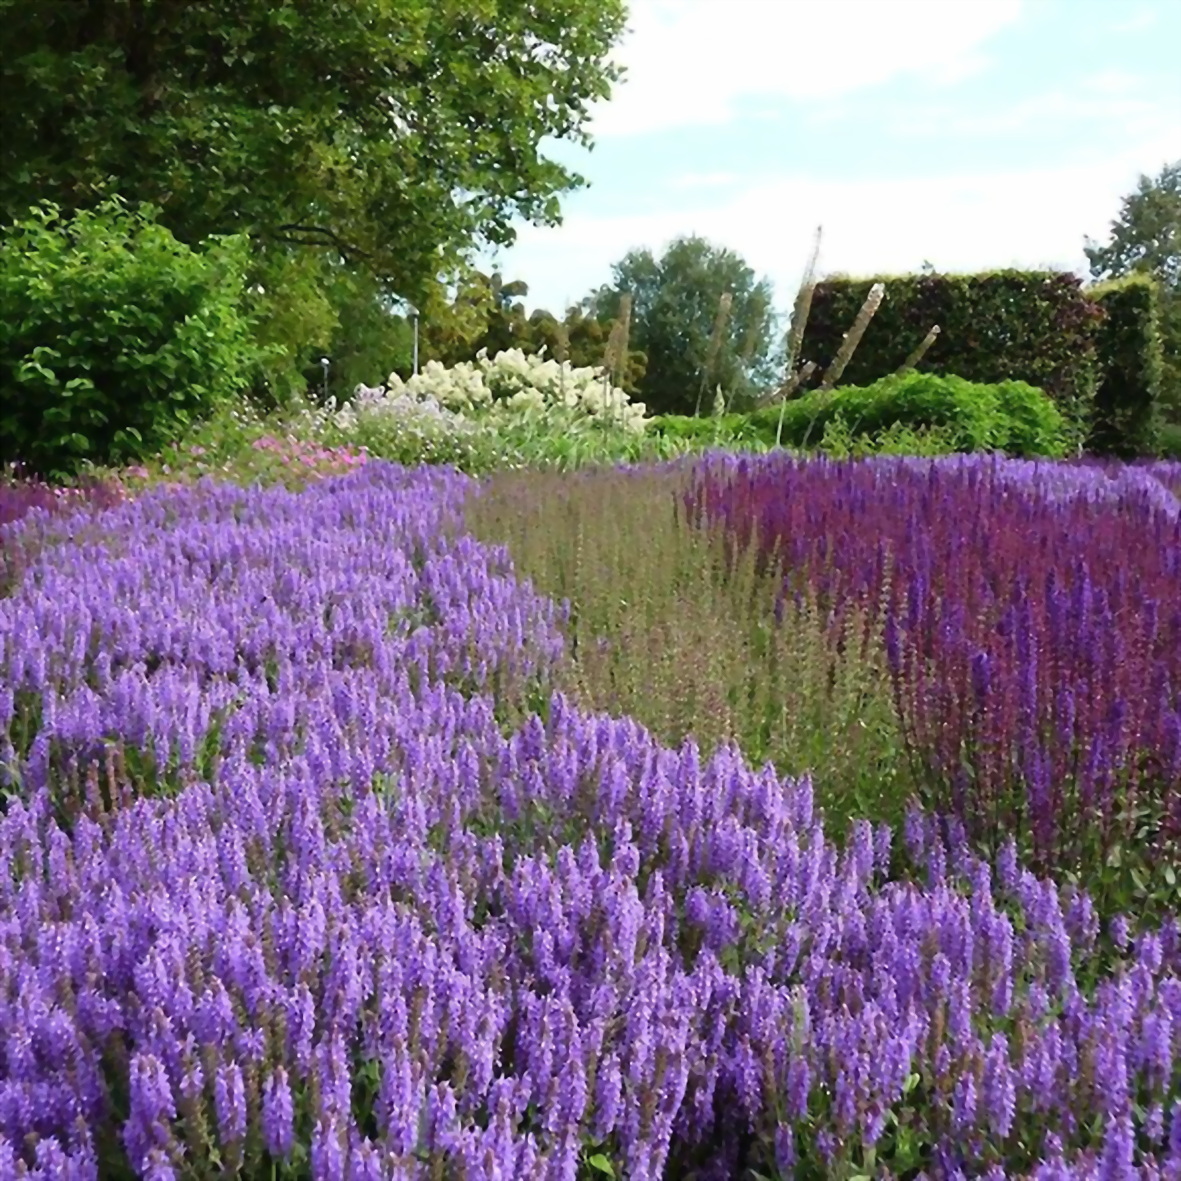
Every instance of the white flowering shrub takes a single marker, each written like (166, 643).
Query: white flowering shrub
(397, 427)
(513, 383)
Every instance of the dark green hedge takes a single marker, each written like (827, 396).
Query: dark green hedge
(1131, 369)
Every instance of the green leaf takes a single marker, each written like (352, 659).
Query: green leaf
(601, 1164)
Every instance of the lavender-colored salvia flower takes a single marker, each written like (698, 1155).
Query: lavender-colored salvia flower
(152, 1109)
(278, 1114)
(1120, 934)
(229, 1097)
(375, 915)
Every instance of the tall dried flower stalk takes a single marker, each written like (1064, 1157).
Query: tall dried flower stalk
(562, 351)
(795, 334)
(801, 375)
(715, 344)
(917, 355)
(615, 354)
(803, 305)
(749, 342)
(853, 337)
(624, 322)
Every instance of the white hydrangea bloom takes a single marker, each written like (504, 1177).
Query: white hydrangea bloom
(512, 382)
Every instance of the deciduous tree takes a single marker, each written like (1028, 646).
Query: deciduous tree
(397, 136)
(674, 313)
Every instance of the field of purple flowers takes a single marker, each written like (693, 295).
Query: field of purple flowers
(1032, 620)
(287, 890)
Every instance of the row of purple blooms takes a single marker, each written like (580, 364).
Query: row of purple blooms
(1032, 618)
(281, 889)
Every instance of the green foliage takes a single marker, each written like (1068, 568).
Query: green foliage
(1031, 326)
(582, 339)
(290, 297)
(370, 340)
(239, 444)
(968, 416)
(674, 306)
(693, 427)
(451, 326)
(1127, 399)
(396, 135)
(839, 442)
(1031, 423)
(1169, 441)
(114, 336)
(1146, 239)
(482, 315)
(725, 430)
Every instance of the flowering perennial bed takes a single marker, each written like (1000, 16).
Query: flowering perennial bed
(284, 891)
(1032, 617)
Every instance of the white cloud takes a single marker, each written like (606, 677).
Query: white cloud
(694, 63)
(1146, 18)
(702, 180)
(1025, 219)
(1100, 102)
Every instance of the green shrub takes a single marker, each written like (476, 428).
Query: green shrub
(968, 416)
(1031, 423)
(839, 443)
(691, 429)
(114, 336)
(1168, 441)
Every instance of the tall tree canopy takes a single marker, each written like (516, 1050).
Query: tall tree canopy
(399, 135)
(1146, 238)
(674, 311)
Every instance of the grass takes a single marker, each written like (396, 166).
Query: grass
(663, 628)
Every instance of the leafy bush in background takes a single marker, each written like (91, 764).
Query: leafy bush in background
(838, 442)
(1169, 441)
(693, 429)
(1010, 416)
(1032, 424)
(114, 336)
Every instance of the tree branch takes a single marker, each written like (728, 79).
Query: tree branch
(323, 237)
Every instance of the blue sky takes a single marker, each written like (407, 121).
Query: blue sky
(968, 133)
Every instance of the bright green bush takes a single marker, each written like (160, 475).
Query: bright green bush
(1168, 441)
(1010, 416)
(1031, 423)
(114, 336)
(691, 429)
(838, 441)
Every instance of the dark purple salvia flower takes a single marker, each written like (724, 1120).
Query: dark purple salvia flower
(1009, 578)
